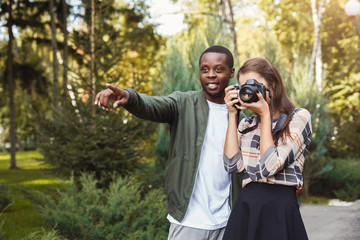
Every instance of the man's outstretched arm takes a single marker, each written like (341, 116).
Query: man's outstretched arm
(118, 95)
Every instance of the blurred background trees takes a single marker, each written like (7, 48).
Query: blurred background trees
(56, 54)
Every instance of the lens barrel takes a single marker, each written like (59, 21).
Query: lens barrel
(248, 94)
(247, 91)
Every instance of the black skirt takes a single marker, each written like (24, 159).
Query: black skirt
(266, 211)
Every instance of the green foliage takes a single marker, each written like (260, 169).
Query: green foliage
(126, 46)
(290, 21)
(125, 54)
(1, 234)
(5, 196)
(79, 138)
(340, 43)
(348, 192)
(119, 212)
(29, 71)
(310, 96)
(345, 105)
(43, 235)
(30, 92)
(342, 182)
(181, 65)
(1, 225)
(102, 142)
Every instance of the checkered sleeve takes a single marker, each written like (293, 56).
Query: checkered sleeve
(232, 164)
(276, 158)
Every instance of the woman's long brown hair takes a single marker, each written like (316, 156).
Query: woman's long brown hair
(281, 101)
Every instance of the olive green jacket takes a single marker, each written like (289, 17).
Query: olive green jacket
(187, 114)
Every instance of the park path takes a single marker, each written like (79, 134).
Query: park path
(330, 222)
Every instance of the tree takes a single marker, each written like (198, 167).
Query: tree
(124, 44)
(75, 141)
(226, 12)
(341, 54)
(54, 50)
(92, 50)
(345, 104)
(316, 57)
(200, 12)
(64, 14)
(26, 18)
(10, 83)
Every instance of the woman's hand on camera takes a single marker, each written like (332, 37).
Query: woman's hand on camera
(231, 99)
(260, 107)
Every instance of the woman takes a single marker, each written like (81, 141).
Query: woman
(270, 148)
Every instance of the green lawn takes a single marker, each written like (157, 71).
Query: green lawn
(21, 218)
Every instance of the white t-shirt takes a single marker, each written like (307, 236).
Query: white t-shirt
(209, 207)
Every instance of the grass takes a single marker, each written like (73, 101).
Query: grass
(21, 218)
(315, 200)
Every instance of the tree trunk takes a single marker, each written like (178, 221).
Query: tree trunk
(66, 49)
(319, 67)
(225, 11)
(10, 81)
(92, 47)
(54, 48)
(316, 55)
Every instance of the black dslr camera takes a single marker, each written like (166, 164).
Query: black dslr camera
(247, 91)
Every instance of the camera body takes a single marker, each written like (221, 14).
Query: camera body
(247, 91)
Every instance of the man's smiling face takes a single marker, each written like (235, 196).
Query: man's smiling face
(215, 75)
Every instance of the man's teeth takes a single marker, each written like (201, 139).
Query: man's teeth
(212, 85)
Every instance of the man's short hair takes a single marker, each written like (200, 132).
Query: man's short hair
(221, 49)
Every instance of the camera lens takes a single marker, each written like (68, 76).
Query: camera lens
(246, 94)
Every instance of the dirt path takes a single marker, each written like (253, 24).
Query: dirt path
(326, 222)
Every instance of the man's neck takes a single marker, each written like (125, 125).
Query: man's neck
(215, 99)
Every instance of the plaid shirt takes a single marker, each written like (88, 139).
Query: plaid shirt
(282, 164)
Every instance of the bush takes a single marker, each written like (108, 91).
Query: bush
(76, 140)
(1, 231)
(342, 182)
(43, 235)
(5, 196)
(119, 212)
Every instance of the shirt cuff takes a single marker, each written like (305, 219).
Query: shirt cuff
(267, 153)
(230, 164)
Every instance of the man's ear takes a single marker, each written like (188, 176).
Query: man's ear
(232, 73)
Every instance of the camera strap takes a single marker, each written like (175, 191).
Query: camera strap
(272, 110)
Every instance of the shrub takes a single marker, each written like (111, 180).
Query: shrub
(1, 231)
(119, 212)
(5, 196)
(343, 181)
(76, 140)
(43, 235)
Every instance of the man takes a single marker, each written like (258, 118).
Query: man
(198, 189)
